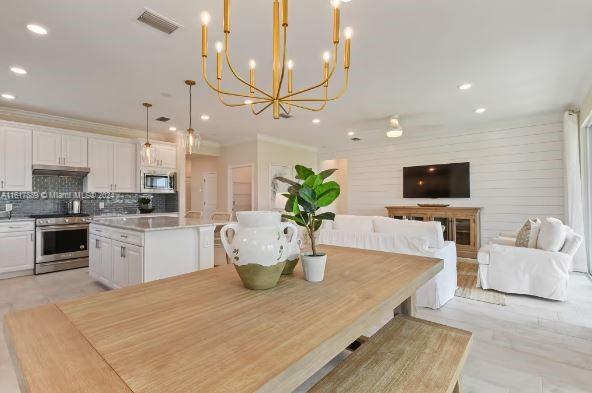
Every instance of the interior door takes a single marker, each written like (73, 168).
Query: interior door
(210, 194)
(74, 149)
(241, 188)
(100, 162)
(47, 148)
(16, 157)
(125, 167)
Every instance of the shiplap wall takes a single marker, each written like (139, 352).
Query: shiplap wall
(516, 172)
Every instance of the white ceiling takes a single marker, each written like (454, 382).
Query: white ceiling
(98, 63)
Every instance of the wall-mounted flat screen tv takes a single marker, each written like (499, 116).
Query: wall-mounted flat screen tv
(437, 181)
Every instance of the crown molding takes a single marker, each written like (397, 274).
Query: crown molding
(285, 142)
(47, 120)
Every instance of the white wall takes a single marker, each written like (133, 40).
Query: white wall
(271, 151)
(516, 171)
(232, 155)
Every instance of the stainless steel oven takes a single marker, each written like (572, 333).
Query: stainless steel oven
(61, 243)
(156, 181)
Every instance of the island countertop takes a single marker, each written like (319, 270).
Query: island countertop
(148, 224)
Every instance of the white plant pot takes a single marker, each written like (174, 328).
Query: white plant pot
(314, 267)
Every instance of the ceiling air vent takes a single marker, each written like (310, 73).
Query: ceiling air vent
(164, 119)
(158, 22)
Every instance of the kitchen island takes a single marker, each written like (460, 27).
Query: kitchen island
(129, 251)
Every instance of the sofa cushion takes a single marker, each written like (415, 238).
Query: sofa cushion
(528, 235)
(552, 235)
(353, 223)
(429, 230)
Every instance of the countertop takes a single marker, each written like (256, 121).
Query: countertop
(148, 224)
(15, 219)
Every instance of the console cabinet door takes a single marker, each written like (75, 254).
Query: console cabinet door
(15, 156)
(47, 148)
(16, 251)
(125, 167)
(74, 150)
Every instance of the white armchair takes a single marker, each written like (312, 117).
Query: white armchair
(528, 271)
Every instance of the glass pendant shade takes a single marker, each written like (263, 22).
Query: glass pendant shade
(192, 141)
(148, 154)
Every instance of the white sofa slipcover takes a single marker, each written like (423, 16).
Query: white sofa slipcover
(527, 271)
(407, 237)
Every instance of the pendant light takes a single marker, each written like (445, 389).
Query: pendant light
(148, 151)
(192, 137)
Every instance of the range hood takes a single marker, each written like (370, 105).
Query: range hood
(59, 170)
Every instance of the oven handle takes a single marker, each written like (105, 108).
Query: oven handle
(54, 228)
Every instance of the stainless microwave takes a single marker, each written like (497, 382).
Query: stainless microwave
(156, 181)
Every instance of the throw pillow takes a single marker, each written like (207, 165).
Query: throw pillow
(552, 235)
(529, 233)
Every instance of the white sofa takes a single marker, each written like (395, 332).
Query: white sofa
(399, 236)
(528, 271)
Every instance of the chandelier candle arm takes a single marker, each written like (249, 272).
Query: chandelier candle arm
(231, 67)
(276, 59)
(226, 16)
(290, 76)
(336, 20)
(338, 96)
(219, 90)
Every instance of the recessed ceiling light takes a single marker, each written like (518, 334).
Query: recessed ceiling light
(7, 96)
(480, 110)
(316, 121)
(37, 29)
(18, 70)
(205, 117)
(351, 133)
(248, 102)
(465, 86)
(172, 128)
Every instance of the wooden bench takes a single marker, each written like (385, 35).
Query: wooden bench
(407, 355)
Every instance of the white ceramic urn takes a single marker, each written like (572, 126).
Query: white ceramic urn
(259, 238)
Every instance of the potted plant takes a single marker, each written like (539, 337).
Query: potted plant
(145, 205)
(304, 200)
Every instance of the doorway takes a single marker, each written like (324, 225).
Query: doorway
(210, 194)
(241, 188)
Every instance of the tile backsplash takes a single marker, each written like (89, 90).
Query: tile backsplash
(52, 193)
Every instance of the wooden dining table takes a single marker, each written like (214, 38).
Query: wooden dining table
(205, 332)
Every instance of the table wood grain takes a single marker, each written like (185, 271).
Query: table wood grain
(205, 332)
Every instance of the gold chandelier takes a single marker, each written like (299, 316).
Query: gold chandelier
(281, 101)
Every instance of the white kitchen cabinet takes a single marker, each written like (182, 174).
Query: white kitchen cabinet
(112, 166)
(100, 262)
(59, 148)
(125, 167)
(127, 264)
(15, 160)
(74, 150)
(166, 156)
(16, 250)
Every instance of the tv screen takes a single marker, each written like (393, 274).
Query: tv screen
(437, 181)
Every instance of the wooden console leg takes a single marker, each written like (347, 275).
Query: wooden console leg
(458, 386)
(408, 306)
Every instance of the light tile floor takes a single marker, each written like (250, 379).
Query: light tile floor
(530, 345)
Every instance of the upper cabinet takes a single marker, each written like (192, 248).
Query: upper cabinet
(112, 166)
(166, 156)
(15, 159)
(59, 148)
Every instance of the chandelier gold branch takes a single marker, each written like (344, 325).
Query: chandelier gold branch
(280, 97)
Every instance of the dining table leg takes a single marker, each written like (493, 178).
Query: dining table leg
(408, 307)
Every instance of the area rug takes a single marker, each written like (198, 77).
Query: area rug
(466, 271)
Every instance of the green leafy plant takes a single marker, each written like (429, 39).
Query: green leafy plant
(307, 196)
(144, 200)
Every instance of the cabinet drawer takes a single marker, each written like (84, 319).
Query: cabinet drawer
(101, 231)
(19, 226)
(129, 237)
